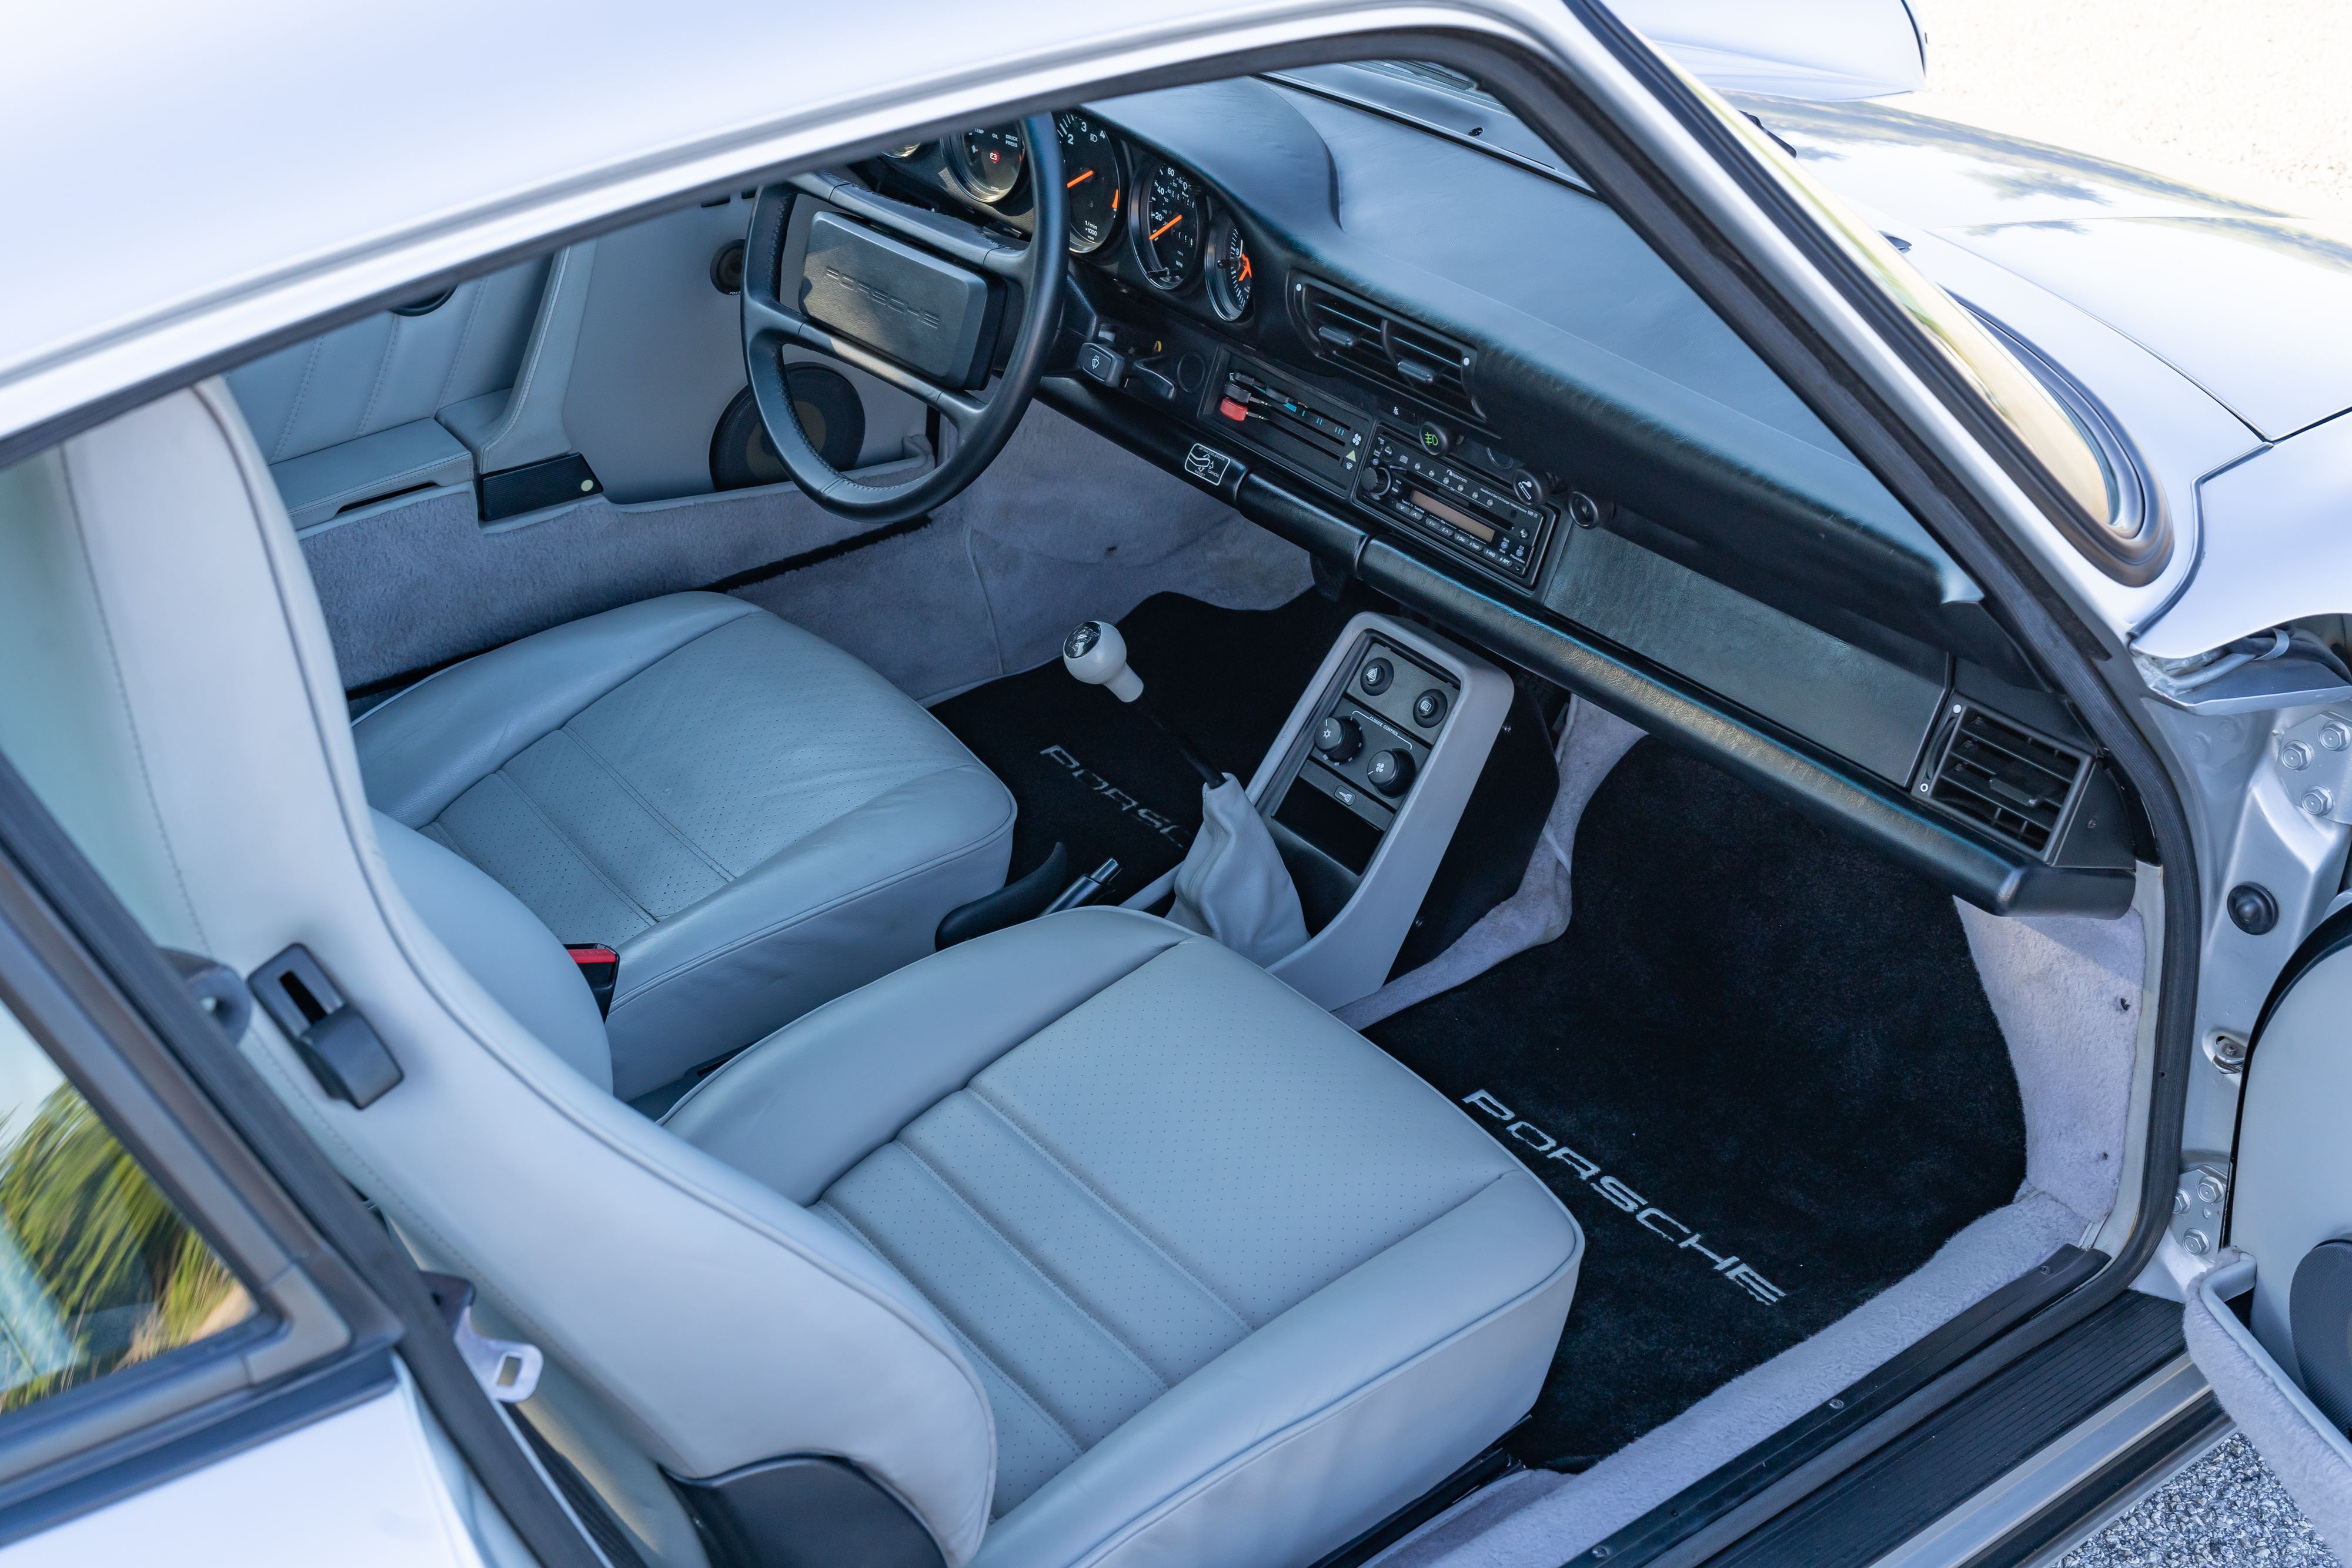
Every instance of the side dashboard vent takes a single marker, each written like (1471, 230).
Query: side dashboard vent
(1373, 343)
(2011, 783)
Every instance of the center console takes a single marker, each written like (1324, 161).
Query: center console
(1364, 788)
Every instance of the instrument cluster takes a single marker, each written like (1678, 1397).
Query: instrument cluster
(1131, 211)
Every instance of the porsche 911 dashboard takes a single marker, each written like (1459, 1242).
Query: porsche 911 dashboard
(1378, 315)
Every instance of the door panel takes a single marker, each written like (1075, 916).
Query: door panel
(359, 1488)
(2271, 1327)
(346, 419)
(661, 356)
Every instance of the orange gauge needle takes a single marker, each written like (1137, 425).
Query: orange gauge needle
(1163, 228)
(1114, 198)
(1084, 175)
(1245, 270)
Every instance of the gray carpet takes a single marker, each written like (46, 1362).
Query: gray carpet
(414, 586)
(1062, 526)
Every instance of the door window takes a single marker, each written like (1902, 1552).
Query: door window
(98, 1270)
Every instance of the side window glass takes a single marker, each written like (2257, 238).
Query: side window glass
(98, 1270)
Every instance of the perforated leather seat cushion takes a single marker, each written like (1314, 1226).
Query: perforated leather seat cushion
(756, 820)
(1171, 1208)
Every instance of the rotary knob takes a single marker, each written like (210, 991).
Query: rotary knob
(1390, 772)
(1339, 738)
(1378, 482)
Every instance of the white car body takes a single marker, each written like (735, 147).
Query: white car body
(186, 188)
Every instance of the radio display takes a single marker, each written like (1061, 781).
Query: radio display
(1482, 532)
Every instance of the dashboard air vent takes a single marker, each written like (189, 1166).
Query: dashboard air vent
(2003, 779)
(1371, 341)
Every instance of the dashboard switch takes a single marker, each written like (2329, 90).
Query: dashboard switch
(1378, 673)
(1429, 708)
(1390, 772)
(1098, 363)
(1150, 379)
(1339, 738)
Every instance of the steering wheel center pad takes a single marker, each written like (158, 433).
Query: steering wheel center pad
(914, 299)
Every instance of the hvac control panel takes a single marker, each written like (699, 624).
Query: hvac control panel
(1409, 480)
(1369, 740)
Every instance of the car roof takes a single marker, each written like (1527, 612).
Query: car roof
(185, 183)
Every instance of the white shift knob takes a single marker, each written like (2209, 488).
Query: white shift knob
(1097, 654)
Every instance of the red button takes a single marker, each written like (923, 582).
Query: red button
(1234, 410)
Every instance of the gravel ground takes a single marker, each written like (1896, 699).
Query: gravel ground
(2224, 1509)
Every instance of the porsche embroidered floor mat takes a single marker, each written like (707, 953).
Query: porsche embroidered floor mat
(1094, 774)
(1758, 1068)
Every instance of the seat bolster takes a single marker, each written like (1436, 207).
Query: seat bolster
(1331, 1418)
(433, 742)
(848, 903)
(502, 945)
(800, 1108)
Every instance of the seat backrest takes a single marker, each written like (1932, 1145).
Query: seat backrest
(170, 693)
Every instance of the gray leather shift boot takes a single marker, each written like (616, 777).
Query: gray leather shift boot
(1232, 885)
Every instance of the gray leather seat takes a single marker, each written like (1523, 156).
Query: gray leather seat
(754, 818)
(1087, 1242)
(1235, 1284)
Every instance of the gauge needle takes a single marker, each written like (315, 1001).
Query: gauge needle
(1163, 228)
(1245, 269)
(1084, 175)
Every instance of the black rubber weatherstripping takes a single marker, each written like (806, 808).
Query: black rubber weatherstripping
(1758, 1068)
(1912, 1482)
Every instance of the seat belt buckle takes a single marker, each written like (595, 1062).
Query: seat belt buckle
(599, 965)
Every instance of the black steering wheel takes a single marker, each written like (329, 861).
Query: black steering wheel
(915, 299)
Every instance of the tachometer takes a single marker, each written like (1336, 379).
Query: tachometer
(1232, 279)
(987, 161)
(1168, 224)
(1090, 173)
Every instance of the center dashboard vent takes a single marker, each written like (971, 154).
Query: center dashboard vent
(2007, 781)
(1373, 342)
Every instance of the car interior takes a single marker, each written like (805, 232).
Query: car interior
(623, 713)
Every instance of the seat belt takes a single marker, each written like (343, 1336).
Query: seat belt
(599, 965)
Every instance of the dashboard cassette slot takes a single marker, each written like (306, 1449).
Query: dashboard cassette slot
(1463, 511)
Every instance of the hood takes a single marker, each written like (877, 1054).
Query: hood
(2246, 302)
(1823, 49)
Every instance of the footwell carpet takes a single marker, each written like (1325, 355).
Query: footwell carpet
(1758, 1068)
(1092, 772)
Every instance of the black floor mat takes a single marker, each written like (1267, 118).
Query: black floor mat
(1757, 1042)
(1092, 772)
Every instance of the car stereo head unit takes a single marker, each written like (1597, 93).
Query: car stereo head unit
(1460, 509)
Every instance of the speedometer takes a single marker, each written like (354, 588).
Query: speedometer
(1167, 226)
(1090, 174)
(987, 161)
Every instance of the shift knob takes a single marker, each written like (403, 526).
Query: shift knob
(1096, 653)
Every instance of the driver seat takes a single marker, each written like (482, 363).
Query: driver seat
(756, 820)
